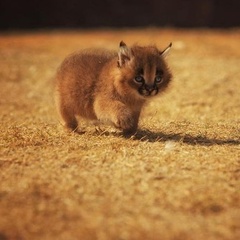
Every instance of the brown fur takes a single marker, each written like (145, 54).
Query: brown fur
(101, 85)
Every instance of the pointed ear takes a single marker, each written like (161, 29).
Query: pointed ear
(166, 50)
(124, 54)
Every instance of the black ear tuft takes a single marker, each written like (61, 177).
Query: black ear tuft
(122, 44)
(166, 50)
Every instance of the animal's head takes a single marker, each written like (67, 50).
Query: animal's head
(144, 69)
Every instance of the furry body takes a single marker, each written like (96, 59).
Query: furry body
(104, 85)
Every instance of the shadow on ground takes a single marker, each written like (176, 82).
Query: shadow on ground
(179, 137)
(149, 136)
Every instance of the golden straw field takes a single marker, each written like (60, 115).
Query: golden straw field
(178, 178)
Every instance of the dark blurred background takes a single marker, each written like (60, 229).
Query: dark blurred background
(32, 14)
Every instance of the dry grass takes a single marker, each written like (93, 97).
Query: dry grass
(177, 179)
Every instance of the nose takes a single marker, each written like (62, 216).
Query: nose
(149, 87)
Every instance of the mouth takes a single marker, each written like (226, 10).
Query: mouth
(148, 93)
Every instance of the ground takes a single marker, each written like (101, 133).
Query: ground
(177, 179)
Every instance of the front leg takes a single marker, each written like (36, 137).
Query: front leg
(119, 114)
(127, 121)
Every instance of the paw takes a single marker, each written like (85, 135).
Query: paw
(127, 123)
(71, 126)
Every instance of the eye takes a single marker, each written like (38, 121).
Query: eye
(158, 79)
(139, 79)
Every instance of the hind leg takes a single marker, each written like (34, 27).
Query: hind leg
(69, 119)
(65, 111)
